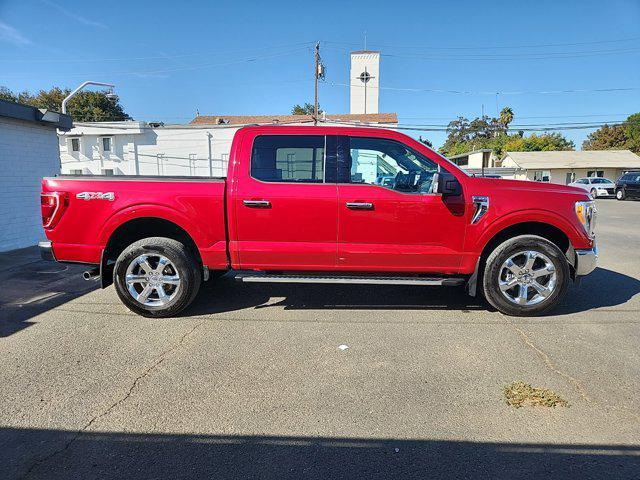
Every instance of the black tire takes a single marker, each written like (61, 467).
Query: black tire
(509, 248)
(620, 194)
(181, 258)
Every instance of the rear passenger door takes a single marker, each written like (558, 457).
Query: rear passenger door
(285, 205)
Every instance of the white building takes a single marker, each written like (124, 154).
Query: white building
(28, 152)
(564, 167)
(198, 149)
(364, 81)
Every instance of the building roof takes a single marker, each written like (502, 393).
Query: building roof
(364, 51)
(275, 119)
(27, 113)
(466, 154)
(576, 159)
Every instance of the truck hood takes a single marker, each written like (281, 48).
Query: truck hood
(526, 185)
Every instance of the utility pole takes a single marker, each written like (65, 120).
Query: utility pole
(317, 74)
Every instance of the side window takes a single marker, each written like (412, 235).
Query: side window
(583, 181)
(288, 158)
(386, 163)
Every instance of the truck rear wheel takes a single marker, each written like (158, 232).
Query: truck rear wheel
(525, 276)
(157, 277)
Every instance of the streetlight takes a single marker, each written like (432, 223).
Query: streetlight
(110, 95)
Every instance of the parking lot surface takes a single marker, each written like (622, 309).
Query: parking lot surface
(291, 381)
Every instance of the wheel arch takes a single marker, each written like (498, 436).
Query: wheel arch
(551, 232)
(136, 229)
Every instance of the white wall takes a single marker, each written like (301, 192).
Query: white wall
(148, 151)
(28, 152)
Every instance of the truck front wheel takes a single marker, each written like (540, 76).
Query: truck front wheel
(157, 277)
(525, 276)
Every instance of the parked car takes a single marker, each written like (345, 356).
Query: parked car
(596, 186)
(628, 186)
(300, 204)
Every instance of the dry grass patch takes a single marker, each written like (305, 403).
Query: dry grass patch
(520, 394)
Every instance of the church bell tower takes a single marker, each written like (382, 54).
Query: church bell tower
(364, 81)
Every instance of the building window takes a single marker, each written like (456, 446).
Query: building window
(108, 172)
(542, 176)
(569, 178)
(75, 144)
(106, 144)
(595, 173)
(75, 172)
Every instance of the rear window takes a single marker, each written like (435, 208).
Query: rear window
(288, 158)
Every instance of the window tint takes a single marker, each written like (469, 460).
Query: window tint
(583, 181)
(288, 158)
(600, 180)
(388, 164)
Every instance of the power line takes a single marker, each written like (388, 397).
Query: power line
(494, 47)
(182, 68)
(155, 57)
(487, 92)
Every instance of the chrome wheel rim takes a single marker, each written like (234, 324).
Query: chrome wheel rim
(152, 280)
(527, 278)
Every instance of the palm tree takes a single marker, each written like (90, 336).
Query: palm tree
(506, 117)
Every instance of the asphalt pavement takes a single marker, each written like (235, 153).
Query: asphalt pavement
(304, 381)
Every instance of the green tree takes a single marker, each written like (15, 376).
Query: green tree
(607, 137)
(306, 109)
(632, 130)
(485, 132)
(84, 107)
(622, 136)
(506, 117)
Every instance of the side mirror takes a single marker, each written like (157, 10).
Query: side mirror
(447, 184)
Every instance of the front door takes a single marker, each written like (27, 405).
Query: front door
(389, 219)
(286, 213)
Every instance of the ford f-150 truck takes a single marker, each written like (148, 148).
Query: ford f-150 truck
(326, 205)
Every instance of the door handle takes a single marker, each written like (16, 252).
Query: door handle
(257, 203)
(360, 205)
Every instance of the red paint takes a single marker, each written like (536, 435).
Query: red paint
(307, 226)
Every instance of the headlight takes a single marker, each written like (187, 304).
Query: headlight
(586, 213)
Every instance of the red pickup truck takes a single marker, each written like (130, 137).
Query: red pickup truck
(323, 205)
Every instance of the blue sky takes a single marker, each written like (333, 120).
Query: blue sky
(240, 57)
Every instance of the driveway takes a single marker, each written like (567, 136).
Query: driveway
(302, 381)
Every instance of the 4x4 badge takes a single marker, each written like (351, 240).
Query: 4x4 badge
(96, 196)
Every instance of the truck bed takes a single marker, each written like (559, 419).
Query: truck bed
(98, 205)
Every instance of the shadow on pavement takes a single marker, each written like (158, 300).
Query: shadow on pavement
(226, 295)
(30, 453)
(31, 286)
(603, 288)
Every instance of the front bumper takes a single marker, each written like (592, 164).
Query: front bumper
(46, 251)
(586, 261)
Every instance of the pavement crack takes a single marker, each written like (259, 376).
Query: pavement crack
(78, 434)
(551, 364)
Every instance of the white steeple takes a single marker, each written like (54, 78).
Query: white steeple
(364, 80)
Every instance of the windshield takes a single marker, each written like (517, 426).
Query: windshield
(600, 180)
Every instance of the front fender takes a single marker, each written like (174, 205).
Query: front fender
(577, 238)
